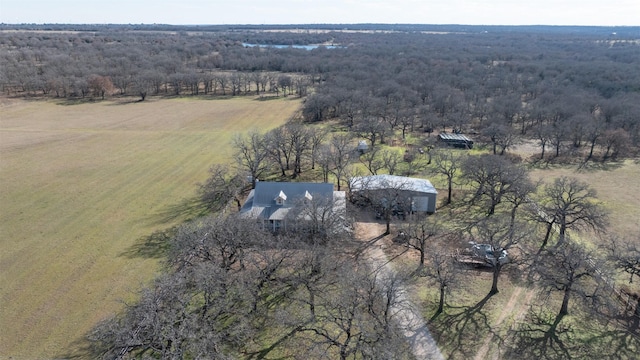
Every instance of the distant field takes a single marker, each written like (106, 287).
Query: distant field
(81, 186)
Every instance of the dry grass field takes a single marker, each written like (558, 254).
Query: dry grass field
(617, 186)
(81, 187)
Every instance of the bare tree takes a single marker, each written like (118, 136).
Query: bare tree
(251, 155)
(142, 83)
(318, 218)
(570, 204)
(614, 143)
(493, 177)
(285, 82)
(372, 160)
(420, 233)
(543, 135)
(300, 138)
(316, 138)
(443, 271)
(355, 318)
(371, 128)
(501, 135)
(573, 271)
(325, 160)
(222, 187)
(557, 135)
(279, 148)
(625, 255)
(391, 159)
(341, 150)
(493, 237)
(100, 85)
(448, 164)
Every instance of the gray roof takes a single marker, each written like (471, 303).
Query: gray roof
(261, 202)
(378, 182)
(266, 192)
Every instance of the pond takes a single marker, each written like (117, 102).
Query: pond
(305, 47)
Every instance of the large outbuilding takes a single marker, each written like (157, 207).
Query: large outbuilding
(455, 140)
(419, 194)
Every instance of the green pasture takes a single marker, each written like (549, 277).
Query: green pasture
(82, 189)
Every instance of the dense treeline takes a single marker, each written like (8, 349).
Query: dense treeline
(558, 86)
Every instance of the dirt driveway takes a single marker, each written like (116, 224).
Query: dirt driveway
(406, 312)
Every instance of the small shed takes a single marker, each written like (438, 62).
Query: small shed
(421, 194)
(456, 140)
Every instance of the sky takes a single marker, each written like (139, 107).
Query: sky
(213, 12)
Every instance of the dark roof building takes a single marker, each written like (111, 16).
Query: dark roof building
(456, 140)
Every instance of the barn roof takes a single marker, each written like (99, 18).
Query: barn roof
(454, 137)
(379, 182)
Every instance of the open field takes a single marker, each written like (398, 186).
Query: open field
(618, 187)
(81, 188)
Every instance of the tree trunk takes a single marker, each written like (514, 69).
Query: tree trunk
(563, 231)
(546, 237)
(593, 145)
(564, 309)
(441, 301)
(449, 191)
(494, 284)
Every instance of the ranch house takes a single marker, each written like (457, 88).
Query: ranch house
(275, 204)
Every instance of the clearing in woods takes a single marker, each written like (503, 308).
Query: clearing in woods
(81, 188)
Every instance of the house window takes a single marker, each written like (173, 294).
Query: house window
(275, 224)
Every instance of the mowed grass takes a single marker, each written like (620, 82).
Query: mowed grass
(618, 188)
(81, 186)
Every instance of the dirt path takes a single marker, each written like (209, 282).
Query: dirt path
(411, 321)
(517, 303)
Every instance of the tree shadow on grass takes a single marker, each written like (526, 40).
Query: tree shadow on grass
(462, 332)
(545, 337)
(268, 98)
(187, 209)
(593, 166)
(154, 246)
(78, 349)
(542, 337)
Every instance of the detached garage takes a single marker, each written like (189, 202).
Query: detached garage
(419, 192)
